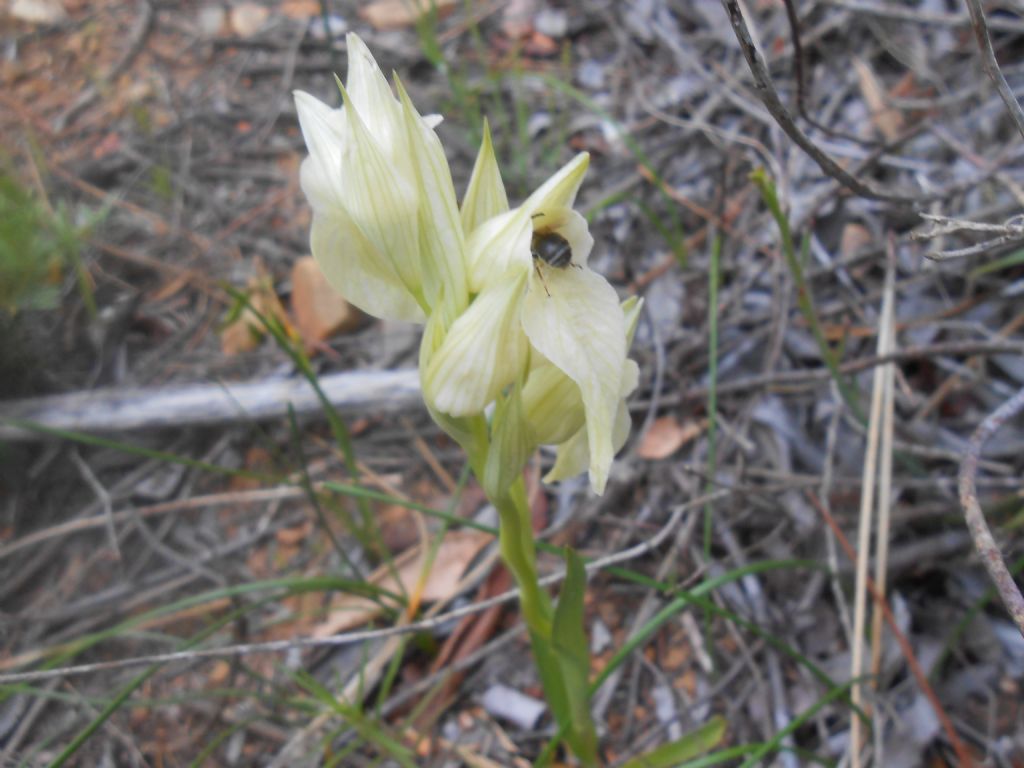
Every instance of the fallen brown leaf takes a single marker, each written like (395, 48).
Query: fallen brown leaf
(854, 237)
(246, 331)
(888, 121)
(517, 18)
(248, 18)
(395, 14)
(456, 552)
(294, 536)
(300, 9)
(470, 635)
(666, 436)
(319, 311)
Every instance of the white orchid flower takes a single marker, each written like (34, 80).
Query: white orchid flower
(508, 293)
(386, 230)
(528, 309)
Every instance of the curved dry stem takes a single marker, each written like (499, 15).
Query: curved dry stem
(988, 61)
(983, 541)
(770, 97)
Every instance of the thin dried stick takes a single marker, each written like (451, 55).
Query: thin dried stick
(798, 378)
(867, 505)
(1009, 232)
(991, 66)
(887, 340)
(964, 758)
(983, 541)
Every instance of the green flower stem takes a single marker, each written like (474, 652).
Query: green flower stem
(519, 552)
(557, 638)
(567, 696)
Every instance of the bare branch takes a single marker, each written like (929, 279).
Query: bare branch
(770, 97)
(1008, 232)
(988, 61)
(196, 405)
(983, 541)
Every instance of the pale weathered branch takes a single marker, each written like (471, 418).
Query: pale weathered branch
(203, 405)
(988, 61)
(983, 541)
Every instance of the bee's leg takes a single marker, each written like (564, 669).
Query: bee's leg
(540, 274)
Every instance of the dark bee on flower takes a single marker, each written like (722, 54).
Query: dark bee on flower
(551, 248)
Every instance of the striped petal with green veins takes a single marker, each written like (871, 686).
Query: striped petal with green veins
(574, 455)
(485, 196)
(386, 229)
(483, 352)
(442, 241)
(574, 319)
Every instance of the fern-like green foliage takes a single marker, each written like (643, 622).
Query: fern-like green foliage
(35, 246)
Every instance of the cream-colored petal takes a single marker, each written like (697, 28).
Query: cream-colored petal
(630, 379)
(483, 352)
(382, 202)
(622, 427)
(571, 459)
(631, 310)
(573, 455)
(443, 247)
(485, 195)
(574, 319)
(324, 131)
(357, 270)
(500, 244)
(503, 241)
(320, 185)
(369, 91)
(570, 225)
(574, 229)
(560, 190)
(552, 404)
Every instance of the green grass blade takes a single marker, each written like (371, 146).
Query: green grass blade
(805, 300)
(145, 453)
(714, 275)
(86, 733)
(691, 745)
(775, 742)
(681, 602)
(368, 728)
(569, 640)
(1010, 260)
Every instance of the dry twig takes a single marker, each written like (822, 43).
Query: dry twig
(988, 61)
(983, 540)
(770, 97)
(1008, 232)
